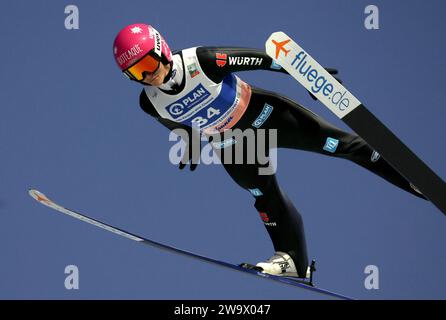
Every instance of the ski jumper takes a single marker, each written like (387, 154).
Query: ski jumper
(202, 91)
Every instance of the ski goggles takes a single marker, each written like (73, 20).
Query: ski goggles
(147, 64)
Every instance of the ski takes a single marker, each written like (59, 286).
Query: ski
(309, 73)
(246, 268)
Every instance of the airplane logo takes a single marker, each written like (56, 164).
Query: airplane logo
(280, 47)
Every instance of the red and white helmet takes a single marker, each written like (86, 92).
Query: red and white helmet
(138, 42)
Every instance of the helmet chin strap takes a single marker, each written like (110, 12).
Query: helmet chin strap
(174, 77)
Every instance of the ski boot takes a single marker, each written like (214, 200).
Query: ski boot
(281, 264)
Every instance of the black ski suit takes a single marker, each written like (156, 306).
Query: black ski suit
(297, 128)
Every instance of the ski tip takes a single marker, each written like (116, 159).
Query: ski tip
(33, 192)
(37, 195)
(277, 34)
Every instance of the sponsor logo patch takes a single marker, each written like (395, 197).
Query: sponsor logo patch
(263, 116)
(221, 59)
(256, 192)
(193, 98)
(266, 220)
(264, 216)
(130, 54)
(192, 69)
(224, 144)
(375, 156)
(331, 145)
(245, 61)
(275, 65)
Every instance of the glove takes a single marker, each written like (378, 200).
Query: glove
(332, 72)
(193, 166)
(184, 162)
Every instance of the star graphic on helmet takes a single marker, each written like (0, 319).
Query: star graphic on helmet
(136, 30)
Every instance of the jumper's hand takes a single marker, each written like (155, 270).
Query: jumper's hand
(191, 154)
(184, 161)
(332, 72)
